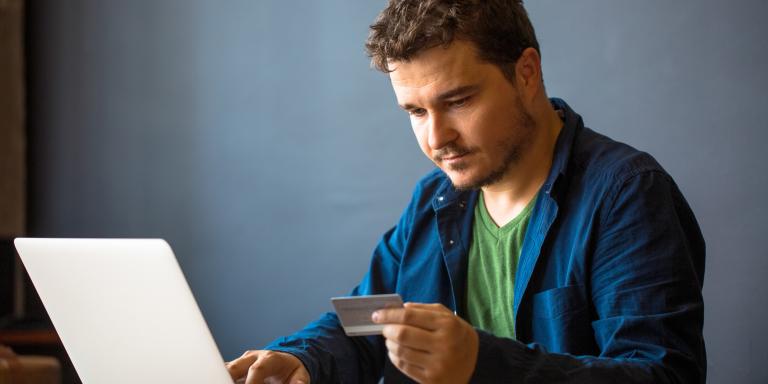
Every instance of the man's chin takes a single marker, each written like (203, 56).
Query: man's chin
(465, 180)
(461, 180)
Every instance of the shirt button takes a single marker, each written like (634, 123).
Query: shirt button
(450, 242)
(439, 198)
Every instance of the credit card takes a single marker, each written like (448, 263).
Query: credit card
(355, 312)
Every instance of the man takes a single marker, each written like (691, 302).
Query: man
(539, 251)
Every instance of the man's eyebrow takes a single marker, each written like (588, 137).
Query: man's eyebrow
(458, 91)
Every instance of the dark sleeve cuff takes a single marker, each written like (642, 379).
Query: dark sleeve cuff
(496, 363)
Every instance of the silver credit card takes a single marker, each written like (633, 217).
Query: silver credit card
(355, 312)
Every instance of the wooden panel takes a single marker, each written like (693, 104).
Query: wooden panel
(12, 136)
(15, 338)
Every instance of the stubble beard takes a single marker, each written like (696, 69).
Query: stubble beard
(514, 147)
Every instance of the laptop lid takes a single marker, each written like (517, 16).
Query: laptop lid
(123, 310)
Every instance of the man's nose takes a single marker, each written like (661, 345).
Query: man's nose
(441, 131)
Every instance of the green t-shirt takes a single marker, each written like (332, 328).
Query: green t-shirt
(493, 257)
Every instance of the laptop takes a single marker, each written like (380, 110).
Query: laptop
(123, 310)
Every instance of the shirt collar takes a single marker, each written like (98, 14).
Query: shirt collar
(448, 195)
(572, 124)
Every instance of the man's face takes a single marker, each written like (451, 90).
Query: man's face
(467, 117)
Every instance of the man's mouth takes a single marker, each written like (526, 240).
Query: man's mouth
(453, 157)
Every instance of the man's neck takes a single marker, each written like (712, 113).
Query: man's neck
(506, 198)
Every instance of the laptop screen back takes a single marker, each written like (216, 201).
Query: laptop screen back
(123, 310)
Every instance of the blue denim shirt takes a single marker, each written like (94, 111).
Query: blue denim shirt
(608, 286)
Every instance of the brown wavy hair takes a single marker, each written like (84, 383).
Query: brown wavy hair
(499, 29)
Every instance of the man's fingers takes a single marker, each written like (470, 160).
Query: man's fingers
(258, 366)
(408, 336)
(411, 370)
(238, 368)
(261, 370)
(417, 316)
(437, 307)
(410, 355)
(299, 376)
(265, 365)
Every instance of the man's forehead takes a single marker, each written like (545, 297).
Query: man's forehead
(457, 62)
(407, 78)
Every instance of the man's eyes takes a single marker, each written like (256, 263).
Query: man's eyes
(418, 112)
(459, 102)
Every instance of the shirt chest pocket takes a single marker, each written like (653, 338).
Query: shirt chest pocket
(560, 320)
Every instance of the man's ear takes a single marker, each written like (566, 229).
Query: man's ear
(528, 73)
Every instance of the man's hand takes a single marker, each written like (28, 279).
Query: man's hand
(268, 366)
(429, 343)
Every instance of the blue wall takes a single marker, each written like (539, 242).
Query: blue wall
(257, 140)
